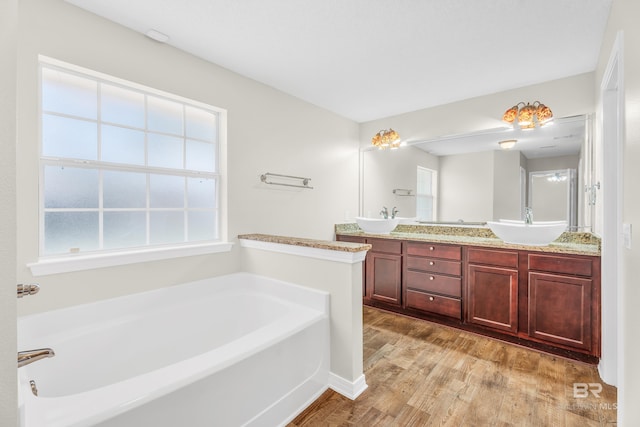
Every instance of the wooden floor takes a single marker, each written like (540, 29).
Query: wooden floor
(424, 374)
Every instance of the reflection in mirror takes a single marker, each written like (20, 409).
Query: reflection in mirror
(553, 195)
(474, 180)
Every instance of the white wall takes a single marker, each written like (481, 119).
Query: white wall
(386, 170)
(268, 131)
(466, 187)
(506, 185)
(623, 17)
(8, 377)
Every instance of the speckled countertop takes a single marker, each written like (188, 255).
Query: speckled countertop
(568, 242)
(309, 243)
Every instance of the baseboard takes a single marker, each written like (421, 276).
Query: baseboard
(347, 388)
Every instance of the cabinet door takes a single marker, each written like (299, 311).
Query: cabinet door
(560, 309)
(492, 297)
(384, 277)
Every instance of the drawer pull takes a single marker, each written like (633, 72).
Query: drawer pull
(431, 248)
(432, 263)
(431, 298)
(431, 278)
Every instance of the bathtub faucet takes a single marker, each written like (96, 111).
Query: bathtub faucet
(30, 356)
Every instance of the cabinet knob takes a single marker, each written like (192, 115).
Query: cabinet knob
(431, 263)
(431, 277)
(431, 298)
(431, 248)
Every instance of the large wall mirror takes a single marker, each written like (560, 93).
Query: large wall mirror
(469, 178)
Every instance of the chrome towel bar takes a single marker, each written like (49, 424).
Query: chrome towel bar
(304, 182)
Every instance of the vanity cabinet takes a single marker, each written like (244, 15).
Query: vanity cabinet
(548, 301)
(433, 278)
(563, 296)
(492, 289)
(383, 271)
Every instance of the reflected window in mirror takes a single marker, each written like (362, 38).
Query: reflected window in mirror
(426, 194)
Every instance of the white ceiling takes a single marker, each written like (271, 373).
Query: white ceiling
(369, 59)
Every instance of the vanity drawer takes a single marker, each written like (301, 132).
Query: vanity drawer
(561, 264)
(493, 257)
(435, 283)
(434, 303)
(433, 265)
(383, 245)
(434, 251)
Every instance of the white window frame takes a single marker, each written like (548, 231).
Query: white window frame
(52, 264)
(433, 195)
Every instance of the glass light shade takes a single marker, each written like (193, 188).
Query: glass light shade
(510, 115)
(525, 116)
(507, 144)
(386, 139)
(544, 114)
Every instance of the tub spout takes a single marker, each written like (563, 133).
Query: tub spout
(30, 356)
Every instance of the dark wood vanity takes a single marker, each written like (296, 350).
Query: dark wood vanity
(528, 296)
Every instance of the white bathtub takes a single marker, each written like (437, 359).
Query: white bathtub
(229, 351)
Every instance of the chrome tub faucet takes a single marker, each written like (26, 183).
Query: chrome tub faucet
(30, 356)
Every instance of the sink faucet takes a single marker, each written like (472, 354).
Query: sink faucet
(528, 215)
(384, 212)
(394, 212)
(30, 356)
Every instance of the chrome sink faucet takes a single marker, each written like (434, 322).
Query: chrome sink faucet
(394, 212)
(528, 215)
(30, 356)
(384, 212)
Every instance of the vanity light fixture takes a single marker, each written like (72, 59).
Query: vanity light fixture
(507, 144)
(528, 116)
(386, 138)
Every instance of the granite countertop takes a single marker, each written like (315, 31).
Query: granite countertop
(568, 242)
(309, 243)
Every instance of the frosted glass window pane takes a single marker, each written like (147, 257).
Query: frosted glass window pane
(200, 156)
(66, 187)
(124, 229)
(122, 106)
(425, 178)
(124, 189)
(166, 191)
(201, 193)
(166, 227)
(69, 94)
(202, 225)
(165, 151)
(67, 230)
(120, 145)
(64, 137)
(201, 124)
(164, 116)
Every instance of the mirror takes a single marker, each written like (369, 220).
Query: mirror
(469, 178)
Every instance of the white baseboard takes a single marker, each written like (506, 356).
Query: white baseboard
(347, 388)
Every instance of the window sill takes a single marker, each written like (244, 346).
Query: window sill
(69, 263)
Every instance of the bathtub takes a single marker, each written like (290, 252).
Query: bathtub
(234, 350)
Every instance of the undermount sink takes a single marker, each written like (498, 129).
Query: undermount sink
(377, 225)
(540, 233)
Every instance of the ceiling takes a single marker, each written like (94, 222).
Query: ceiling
(370, 59)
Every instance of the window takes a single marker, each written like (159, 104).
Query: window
(125, 167)
(426, 194)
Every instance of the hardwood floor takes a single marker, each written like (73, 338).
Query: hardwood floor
(423, 374)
